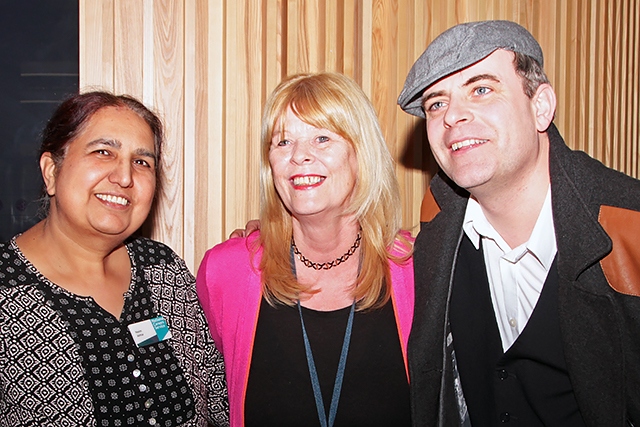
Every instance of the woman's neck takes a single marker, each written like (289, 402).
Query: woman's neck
(332, 288)
(99, 270)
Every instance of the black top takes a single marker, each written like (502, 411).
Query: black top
(375, 391)
(64, 361)
(130, 385)
(528, 385)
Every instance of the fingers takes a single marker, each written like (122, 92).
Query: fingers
(238, 232)
(252, 225)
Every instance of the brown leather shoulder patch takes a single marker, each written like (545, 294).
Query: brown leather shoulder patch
(429, 208)
(622, 266)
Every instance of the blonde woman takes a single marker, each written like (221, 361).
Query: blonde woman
(312, 313)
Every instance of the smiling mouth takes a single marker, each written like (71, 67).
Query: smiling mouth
(113, 199)
(305, 181)
(467, 143)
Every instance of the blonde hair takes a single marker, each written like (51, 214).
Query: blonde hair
(334, 102)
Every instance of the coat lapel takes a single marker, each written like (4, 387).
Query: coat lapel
(590, 336)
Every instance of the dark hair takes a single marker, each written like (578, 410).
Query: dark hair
(531, 71)
(72, 116)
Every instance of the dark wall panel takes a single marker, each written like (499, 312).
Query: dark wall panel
(38, 68)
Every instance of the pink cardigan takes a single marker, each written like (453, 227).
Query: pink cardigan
(229, 289)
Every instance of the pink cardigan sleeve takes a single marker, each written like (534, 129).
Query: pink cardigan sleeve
(403, 297)
(228, 284)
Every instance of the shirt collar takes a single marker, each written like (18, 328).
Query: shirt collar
(541, 243)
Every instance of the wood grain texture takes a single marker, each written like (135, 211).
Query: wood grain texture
(207, 67)
(96, 47)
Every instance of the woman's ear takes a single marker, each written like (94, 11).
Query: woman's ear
(544, 104)
(48, 169)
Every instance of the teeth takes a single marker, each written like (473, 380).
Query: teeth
(306, 180)
(466, 143)
(113, 199)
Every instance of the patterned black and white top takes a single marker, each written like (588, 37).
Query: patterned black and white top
(64, 361)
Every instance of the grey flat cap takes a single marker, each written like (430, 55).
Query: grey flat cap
(459, 47)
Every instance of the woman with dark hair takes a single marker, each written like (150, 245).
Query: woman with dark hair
(313, 312)
(98, 328)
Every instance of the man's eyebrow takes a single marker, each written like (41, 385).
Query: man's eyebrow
(479, 77)
(430, 95)
(470, 81)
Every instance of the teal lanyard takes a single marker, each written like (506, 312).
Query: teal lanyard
(337, 386)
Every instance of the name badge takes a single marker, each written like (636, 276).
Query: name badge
(150, 331)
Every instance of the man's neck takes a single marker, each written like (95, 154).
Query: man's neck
(515, 219)
(514, 209)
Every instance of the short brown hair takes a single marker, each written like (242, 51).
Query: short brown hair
(531, 71)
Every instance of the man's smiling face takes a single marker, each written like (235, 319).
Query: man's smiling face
(482, 126)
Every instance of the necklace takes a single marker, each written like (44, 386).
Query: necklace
(326, 265)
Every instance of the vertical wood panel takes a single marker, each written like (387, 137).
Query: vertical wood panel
(366, 48)
(168, 69)
(128, 46)
(593, 96)
(208, 65)
(234, 150)
(96, 48)
(334, 29)
(148, 52)
(253, 109)
(272, 62)
(348, 30)
(634, 48)
(194, 104)
(617, 71)
(210, 167)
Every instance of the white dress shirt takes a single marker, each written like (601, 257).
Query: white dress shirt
(516, 276)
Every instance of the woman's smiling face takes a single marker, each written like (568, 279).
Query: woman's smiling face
(106, 182)
(314, 170)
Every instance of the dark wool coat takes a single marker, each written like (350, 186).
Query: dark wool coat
(597, 226)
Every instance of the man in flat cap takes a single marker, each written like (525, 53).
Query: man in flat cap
(527, 264)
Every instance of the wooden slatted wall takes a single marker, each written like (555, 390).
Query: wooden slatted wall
(207, 67)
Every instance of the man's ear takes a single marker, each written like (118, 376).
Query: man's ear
(48, 169)
(544, 104)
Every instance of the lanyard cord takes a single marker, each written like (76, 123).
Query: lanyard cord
(337, 387)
